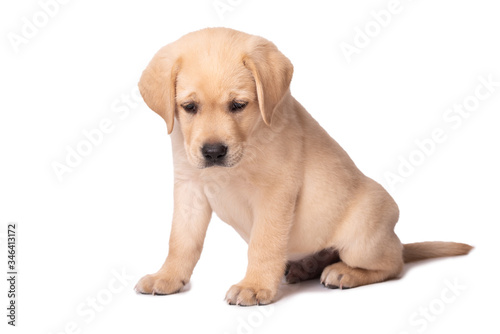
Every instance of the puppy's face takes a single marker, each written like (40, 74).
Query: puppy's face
(216, 108)
(217, 85)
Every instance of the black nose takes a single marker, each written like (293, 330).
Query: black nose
(214, 152)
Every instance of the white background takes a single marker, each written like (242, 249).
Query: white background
(113, 211)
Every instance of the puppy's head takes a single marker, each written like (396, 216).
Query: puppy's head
(217, 85)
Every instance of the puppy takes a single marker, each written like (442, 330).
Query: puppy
(245, 149)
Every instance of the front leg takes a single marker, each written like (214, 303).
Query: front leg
(192, 214)
(266, 250)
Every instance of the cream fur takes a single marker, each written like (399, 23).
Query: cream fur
(289, 189)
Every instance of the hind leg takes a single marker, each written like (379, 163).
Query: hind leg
(356, 269)
(369, 249)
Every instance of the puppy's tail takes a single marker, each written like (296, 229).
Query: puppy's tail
(431, 249)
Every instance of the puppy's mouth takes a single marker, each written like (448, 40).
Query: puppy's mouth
(220, 163)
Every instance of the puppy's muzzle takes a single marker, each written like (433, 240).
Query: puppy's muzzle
(214, 154)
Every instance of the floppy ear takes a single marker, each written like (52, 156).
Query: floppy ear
(157, 84)
(272, 72)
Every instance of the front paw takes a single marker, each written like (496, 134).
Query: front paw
(159, 284)
(249, 294)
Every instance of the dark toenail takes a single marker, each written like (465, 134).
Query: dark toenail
(331, 286)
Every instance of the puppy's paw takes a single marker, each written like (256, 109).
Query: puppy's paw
(296, 273)
(247, 294)
(311, 266)
(159, 284)
(340, 275)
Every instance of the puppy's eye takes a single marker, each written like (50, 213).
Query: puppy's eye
(190, 108)
(237, 106)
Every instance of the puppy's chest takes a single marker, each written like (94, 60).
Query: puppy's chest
(230, 197)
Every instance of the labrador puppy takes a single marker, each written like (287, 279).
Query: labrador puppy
(245, 149)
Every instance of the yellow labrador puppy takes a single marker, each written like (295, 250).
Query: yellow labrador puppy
(245, 149)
